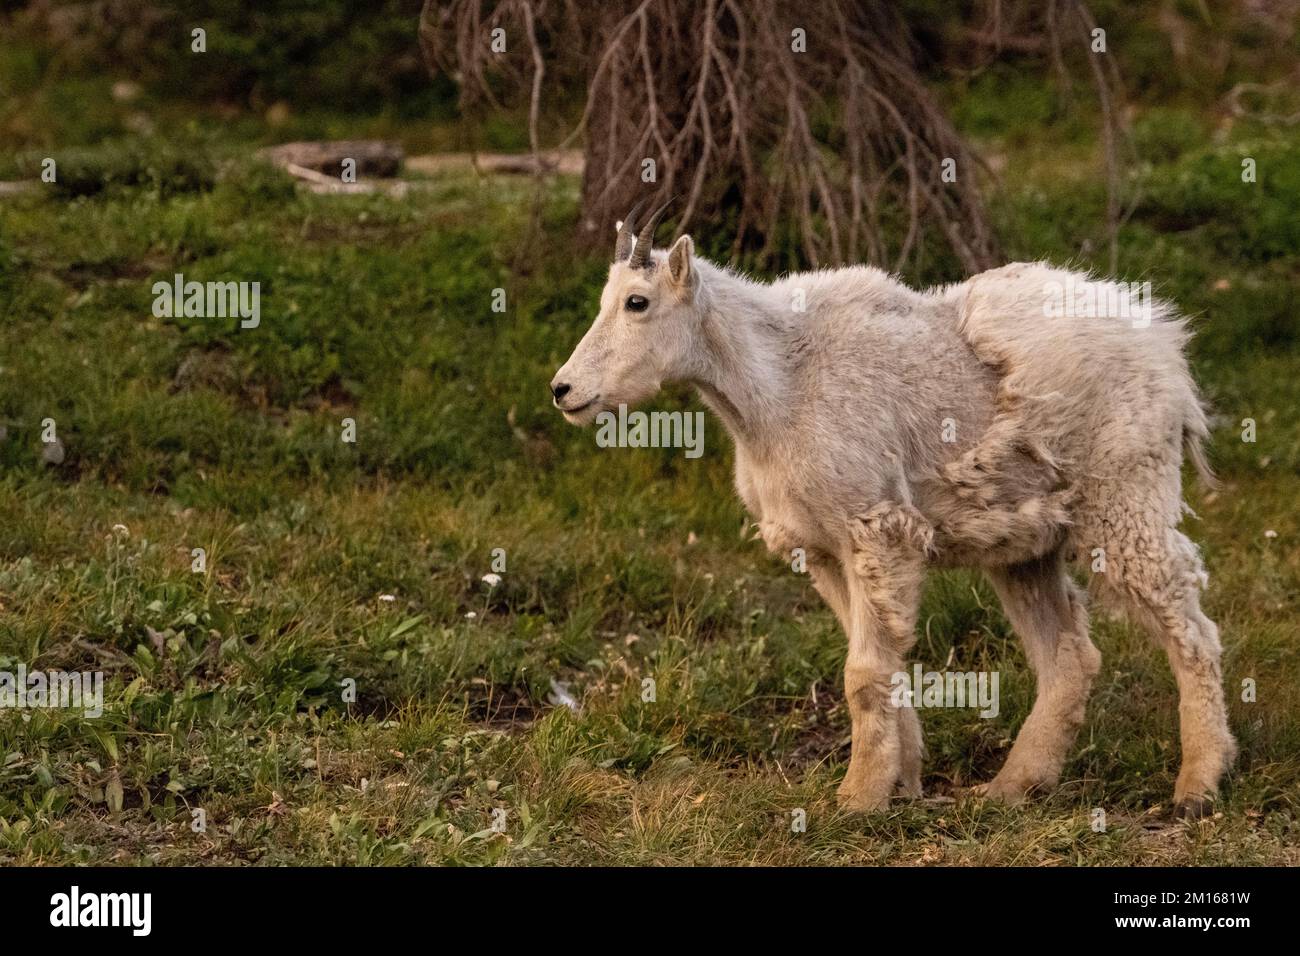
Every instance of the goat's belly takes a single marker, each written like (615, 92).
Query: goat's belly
(988, 534)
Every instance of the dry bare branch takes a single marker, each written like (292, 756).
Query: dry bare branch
(807, 125)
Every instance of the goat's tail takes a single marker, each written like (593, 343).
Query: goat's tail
(1196, 431)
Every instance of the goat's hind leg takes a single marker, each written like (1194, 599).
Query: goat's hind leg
(1047, 612)
(1160, 576)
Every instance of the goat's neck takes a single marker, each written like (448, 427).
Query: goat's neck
(743, 371)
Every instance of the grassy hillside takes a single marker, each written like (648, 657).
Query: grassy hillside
(329, 562)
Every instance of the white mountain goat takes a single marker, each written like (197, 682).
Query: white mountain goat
(885, 431)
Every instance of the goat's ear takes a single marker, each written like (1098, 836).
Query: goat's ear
(679, 260)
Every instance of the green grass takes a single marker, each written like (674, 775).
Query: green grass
(225, 688)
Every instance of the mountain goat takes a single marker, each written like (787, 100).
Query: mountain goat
(884, 431)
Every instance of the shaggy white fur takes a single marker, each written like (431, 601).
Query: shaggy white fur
(884, 430)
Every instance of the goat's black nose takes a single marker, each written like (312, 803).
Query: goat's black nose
(559, 391)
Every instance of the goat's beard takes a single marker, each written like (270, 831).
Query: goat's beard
(586, 416)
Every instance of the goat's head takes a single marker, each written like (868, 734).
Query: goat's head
(644, 334)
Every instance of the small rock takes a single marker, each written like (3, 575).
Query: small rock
(53, 453)
(124, 91)
(139, 123)
(278, 114)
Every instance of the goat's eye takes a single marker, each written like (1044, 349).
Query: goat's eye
(636, 303)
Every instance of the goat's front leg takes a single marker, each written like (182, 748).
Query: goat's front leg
(828, 578)
(883, 579)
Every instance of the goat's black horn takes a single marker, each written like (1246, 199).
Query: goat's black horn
(645, 238)
(627, 233)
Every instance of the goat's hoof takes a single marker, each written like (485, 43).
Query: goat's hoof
(909, 789)
(864, 800)
(1009, 792)
(1194, 807)
(986, 791)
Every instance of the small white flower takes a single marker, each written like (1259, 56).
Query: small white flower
(560, 696)
(120, 529)
(1270, 533)
(471, 615)
(387, 598)
(491, 579)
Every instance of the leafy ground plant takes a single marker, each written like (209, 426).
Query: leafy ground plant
(335, 681)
